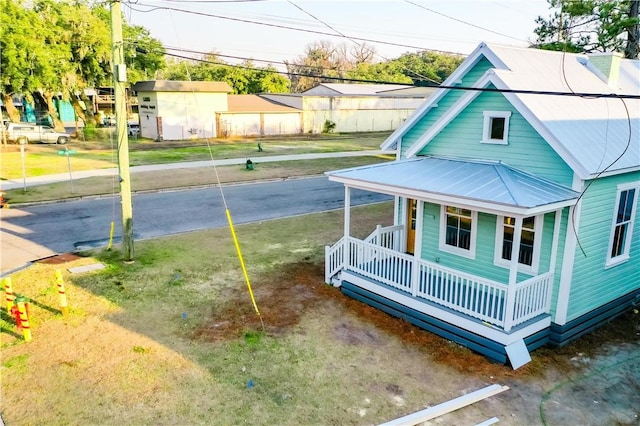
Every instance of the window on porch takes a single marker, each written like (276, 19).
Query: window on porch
(528, 253)
(458, 231)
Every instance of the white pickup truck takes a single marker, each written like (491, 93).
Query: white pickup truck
(28, 132)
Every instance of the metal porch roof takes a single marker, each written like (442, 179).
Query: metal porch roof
(487, 182)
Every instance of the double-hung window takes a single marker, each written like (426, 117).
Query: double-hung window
(458, 231)
(530, 236)
(622, 225)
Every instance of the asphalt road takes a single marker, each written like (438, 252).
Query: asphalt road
(69, 226)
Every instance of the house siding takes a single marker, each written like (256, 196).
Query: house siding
(526, 149)
(593, 283)
(443, 105)
(482, 265)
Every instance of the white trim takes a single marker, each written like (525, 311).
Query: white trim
(417, 248)
(347, 210)
(396, 210)
(455, 78)
(484, 206)
(568, 257)
(626, 250)
(451, 113)
(538, 227)
(442, 246)
(460, 321)
(488, 117)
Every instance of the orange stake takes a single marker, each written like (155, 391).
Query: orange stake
(61, 293)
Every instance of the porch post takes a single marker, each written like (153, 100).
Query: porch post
(347, 223)
(415, 280)
(556, 238)
(513, 275)
(554, 254)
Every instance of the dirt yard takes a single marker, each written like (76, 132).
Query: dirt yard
(594, 381)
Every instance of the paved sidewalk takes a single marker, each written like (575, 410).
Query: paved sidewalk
(63, 177)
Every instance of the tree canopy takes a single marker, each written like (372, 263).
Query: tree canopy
(55, 49)
(327, 62)
(244, 78)
(590, 26)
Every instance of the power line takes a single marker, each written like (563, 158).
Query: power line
(286, 27)
(461, 21)
(356, 43)
(435, 86)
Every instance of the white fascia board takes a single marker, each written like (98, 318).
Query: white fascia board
(452, 113)
(472, 204)
(454, 78)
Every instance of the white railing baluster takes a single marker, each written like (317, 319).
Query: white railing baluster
(478, 297)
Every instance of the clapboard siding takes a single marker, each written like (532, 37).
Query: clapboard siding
(526, 150)
(443, 105)
(483, 264)
(593, 283)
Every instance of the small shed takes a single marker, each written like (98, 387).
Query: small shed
(177, 110)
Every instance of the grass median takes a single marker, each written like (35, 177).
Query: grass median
(41, 159)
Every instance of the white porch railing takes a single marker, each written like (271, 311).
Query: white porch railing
(333, 259)
(471, 295)
(389, 237)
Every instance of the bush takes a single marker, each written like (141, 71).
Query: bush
(329, 126)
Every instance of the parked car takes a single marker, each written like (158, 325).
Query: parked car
(133, 129)
(28, 132)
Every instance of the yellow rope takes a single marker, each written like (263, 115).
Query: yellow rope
(244, 269)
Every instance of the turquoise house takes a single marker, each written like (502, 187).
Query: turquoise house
(516, 188)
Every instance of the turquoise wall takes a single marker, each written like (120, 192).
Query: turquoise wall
(593, 283)
(443, 105)
(526, 149)
(483, 265)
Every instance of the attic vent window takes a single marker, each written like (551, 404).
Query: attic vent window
(495, 129)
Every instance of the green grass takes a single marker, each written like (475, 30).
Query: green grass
(44, 159)
(131, 350)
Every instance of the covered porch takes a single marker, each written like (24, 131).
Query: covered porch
(394, 270)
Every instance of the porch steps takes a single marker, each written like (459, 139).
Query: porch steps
(493, 350)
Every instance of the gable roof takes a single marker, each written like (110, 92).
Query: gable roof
(449, 180)
(255, 103)
(590, 134)
(182, 86)
(352, 89)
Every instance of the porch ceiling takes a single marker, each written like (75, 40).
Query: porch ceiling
(473, 183)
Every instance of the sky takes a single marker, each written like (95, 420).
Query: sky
(223, 26)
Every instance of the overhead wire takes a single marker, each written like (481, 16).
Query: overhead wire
(624, 151)
(461, 21)
(435, 86)
(228, 213)
(355, 42)
(153, 8)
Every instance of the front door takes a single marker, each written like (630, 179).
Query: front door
(411, 225)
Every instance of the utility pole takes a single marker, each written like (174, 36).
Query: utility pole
(119, 81)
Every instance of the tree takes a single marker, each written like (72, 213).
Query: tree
(23, 53)
(322, 59)
(426, 67)
(245, 78)
(590, 26)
